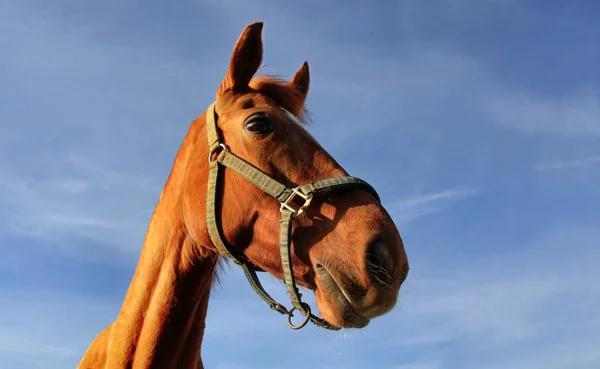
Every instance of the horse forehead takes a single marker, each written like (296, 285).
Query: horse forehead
(295, 119)
(250, 101)
(292, 117)
(253, 101)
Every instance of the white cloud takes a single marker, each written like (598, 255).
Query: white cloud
(566, 164)
(407, 209)
(421, 365)
(49, 329)
(577, 353)
(519, 308)
(437, 196)
(571, 116)
(89, 202)
(16, 343)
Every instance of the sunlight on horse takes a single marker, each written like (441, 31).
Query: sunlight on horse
(251, 184)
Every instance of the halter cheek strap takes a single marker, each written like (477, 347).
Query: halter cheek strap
(288, 208)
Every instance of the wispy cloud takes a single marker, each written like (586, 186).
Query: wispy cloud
(436, 197)
(406, 209)
(40, 351)
(578, 353)
(506, 303)
(72, 205)
(566, 164)
(29, 321)
(574, 115)
(421, 364)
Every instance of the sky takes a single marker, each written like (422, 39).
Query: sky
(478, 122)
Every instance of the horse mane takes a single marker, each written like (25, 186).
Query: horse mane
(283, 94)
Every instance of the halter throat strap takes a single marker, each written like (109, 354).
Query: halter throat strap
(288, 208)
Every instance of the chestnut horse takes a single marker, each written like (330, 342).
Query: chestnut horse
(249, 183)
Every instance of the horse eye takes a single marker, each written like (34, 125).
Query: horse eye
(259, 126)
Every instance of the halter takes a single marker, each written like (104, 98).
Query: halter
(289, 210)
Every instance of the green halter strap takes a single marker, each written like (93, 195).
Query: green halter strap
(288, 209)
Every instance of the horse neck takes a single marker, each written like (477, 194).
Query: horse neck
(161, 322)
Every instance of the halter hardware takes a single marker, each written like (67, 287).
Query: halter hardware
(288, 209)
(296, 192)
(306, 319)
(212, 152)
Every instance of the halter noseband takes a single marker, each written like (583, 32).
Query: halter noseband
(288, 209)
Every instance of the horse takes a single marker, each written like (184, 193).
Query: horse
(250, 184)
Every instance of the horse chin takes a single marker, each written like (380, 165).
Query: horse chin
(333, 303)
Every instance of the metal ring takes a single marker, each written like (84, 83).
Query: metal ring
(212, 152)
(305, 306)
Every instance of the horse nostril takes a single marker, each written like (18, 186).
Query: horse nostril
(379, 263)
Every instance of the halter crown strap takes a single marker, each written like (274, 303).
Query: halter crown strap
(288, 210)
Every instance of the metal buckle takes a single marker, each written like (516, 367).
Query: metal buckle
(296, 192)
(214, 150)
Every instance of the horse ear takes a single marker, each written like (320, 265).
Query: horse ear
(245, 59)
(301, 80)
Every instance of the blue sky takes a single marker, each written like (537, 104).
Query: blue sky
(486, 115)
